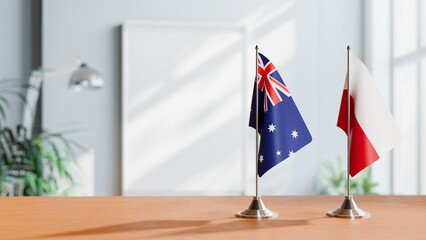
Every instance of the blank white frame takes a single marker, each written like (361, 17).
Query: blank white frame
(167, 26)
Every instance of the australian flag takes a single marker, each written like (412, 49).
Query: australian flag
(281, 127)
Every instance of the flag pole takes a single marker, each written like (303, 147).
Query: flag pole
(348, 127)
(257, 208)
(257, 123)
(348, 209)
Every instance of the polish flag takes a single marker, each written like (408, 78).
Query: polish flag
(373, 130)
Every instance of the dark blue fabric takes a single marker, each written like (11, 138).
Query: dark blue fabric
(291, 132)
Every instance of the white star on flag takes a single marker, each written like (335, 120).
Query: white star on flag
(278, 153)
(272, 127)
(294, 134)
(290, 153)
(261, 159)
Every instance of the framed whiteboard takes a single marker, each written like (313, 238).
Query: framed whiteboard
(184, 109)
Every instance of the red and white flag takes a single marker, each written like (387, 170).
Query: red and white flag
(373, 130)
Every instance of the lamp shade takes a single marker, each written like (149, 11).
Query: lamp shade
(86, 77)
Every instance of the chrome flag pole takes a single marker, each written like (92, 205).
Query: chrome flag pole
(348, 209)
(257, 122)
(257, 208)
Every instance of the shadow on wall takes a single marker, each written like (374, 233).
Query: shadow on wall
(188, 102)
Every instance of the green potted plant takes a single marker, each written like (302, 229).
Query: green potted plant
(333, 180)
(33, 166)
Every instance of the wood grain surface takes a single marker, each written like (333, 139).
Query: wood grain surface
(300, 217)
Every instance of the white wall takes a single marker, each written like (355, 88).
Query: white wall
(340, 24)
(378, 59)
(394, 46)
(15, 47)
(306, 39)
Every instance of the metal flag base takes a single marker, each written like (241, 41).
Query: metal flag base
(257, 209)
(349, 209)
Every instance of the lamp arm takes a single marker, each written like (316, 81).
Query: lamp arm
(33, 93)
(50, 70)
(83, 76)
(31, 100)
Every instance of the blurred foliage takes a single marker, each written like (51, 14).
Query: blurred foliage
(334, 179)
(40, 165)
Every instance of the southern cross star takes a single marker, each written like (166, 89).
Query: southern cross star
(294, 134)
(272, 127)
(261, 159)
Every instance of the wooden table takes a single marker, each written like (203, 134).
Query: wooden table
(301, 217)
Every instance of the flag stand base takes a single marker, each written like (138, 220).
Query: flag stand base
(349, 209)
(257, 209)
